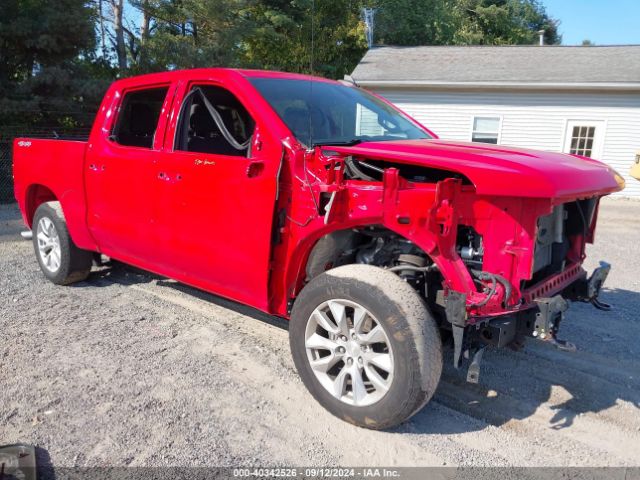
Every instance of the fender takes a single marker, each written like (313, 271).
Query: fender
(398, 205)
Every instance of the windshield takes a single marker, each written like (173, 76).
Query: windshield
(323, 113)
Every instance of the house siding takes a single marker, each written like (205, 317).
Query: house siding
(532, 120)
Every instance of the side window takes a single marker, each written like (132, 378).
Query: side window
(212, 120)
(582, 140)
(138, 117)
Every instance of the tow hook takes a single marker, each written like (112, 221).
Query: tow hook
(600, 305)
(594, 284)
(473, 373)
(547, 322)
(562, 344)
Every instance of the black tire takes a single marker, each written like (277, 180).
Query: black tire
(408, 324)
(75, 264)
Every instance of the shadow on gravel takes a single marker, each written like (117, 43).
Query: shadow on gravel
(541, 383)
(44, 467)
(10, 223)
(225, 303)
(116, 272)
(513, 385)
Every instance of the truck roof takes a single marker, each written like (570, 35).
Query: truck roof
(173, 75)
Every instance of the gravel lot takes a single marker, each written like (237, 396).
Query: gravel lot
(131, 369)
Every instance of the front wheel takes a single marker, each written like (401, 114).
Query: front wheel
(365, 345)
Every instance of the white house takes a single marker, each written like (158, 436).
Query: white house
(582, 100)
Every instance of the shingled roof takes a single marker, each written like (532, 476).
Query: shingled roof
(582, 67)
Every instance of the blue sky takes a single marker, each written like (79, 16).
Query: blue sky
(604, 22)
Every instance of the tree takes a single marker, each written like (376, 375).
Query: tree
(186, 34)
(37, 33)
(415, 22)
(47, 61)
(274, 34)
(118, 26)
(310, 36)
(325, 37)
(50, 61)
(463, 22)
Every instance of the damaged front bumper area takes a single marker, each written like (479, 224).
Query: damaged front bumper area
(539, 317)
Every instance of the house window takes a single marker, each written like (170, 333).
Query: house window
(582, 138)
(486, 129)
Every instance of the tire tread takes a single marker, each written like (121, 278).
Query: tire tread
(415, 325)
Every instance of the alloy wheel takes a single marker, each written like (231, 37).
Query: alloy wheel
(349, 352)
(49, 244)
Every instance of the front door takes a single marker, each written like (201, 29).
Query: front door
(121, 176)
(218, 194)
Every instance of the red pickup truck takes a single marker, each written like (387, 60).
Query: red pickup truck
(321, 203)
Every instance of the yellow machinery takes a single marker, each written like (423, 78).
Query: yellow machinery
(635, 168)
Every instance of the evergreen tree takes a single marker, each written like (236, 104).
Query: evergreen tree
(463, 22)
(48, 68)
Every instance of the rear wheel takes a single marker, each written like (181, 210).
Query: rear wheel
(60, 260)
(365, 345)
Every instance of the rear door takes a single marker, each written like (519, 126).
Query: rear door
(217, 200)
(121, 175)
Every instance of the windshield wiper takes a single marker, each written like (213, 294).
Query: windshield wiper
(345, 143)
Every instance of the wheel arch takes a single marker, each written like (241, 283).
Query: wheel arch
(75, 213)
(309, 251)
(35, 195)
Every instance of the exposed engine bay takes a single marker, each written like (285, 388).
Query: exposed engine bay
(554, 233)
(372, 170)
(377, 245)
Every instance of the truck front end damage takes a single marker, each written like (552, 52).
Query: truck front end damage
(510, 267)
(533, 301)
(494, 268)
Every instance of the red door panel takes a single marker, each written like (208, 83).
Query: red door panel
(216, 214)
(122, 191)
(216, 211)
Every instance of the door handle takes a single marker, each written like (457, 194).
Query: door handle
(164, 176)
(255, 168)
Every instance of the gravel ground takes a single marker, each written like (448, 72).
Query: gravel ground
(131, 369)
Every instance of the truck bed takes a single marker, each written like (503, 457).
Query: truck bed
(58, 164)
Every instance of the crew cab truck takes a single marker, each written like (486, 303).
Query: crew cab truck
(321, 203)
